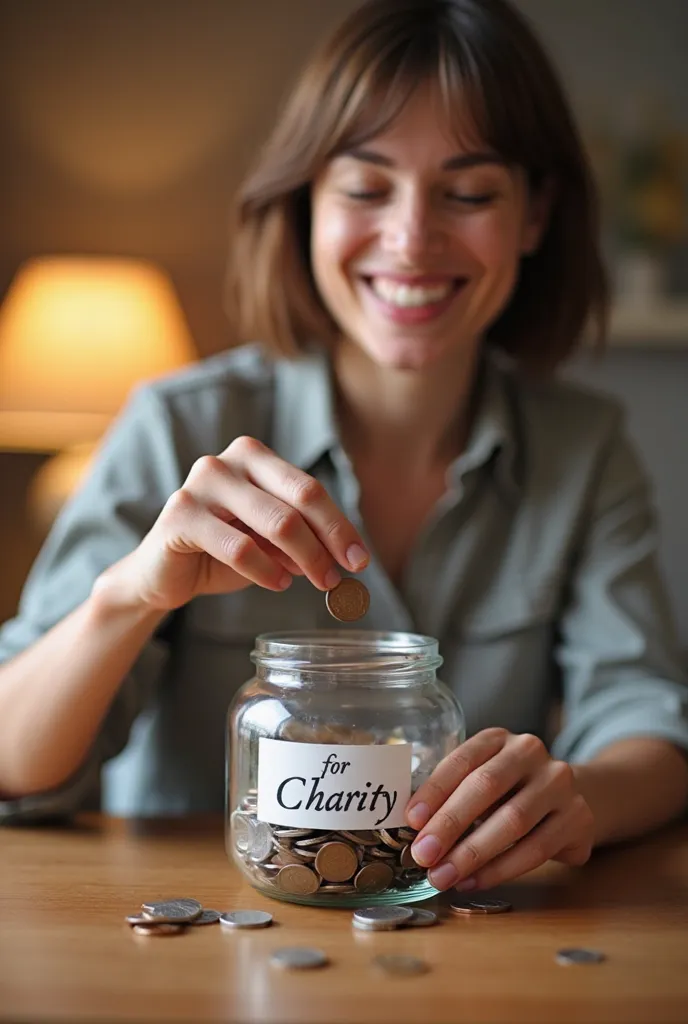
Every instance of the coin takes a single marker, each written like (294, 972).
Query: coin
(401, 965)
(261, 845)
(241, 827)
(336, 862)
(184, 910)
(156, 928)
(374, 878)
(348, 601)
(298, 958)
(206, 917)
(246, 919)
(580, 956)
(298, 880)
(479, 906)
(382, 918)
(406, 859)
(421, 918)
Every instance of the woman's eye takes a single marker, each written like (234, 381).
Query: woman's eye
(472, 200)
(369, 194)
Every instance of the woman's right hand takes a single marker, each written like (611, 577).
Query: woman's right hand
(244, 516)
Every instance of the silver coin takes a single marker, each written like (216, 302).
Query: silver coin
(172, 910)
(262, 846)
(401, 965)
(246, 919)
(206, 917)
(580, 956)
(298, 958)
(421, 918)
(242, 828)
(382, 918)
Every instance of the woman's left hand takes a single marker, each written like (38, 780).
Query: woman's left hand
(539, 815)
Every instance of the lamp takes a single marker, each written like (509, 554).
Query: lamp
(76, 333)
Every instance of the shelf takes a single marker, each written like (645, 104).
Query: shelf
(662, 326)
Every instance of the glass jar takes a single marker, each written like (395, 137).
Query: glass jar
(325, 746)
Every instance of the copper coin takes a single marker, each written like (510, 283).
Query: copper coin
(336, 862)
(374, 878)
(298, 880)
(348, 601)
(406, 859)
(479, 906)
(154, 928)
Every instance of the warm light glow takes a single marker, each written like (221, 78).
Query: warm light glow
(76, 333)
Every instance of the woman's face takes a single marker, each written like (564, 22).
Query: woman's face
(416, 241)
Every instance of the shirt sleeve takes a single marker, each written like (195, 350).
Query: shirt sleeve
(618, 653)
(130, 480)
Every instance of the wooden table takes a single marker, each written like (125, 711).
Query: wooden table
(66, 953)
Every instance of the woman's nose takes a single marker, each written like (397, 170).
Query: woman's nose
(411, 232)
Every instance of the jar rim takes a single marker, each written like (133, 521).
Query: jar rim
(347, 650)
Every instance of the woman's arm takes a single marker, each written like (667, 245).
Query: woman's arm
(634, 786)
(55, 694)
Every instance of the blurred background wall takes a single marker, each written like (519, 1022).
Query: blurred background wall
(126, 124)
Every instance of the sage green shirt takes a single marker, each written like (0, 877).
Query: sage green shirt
(536, 572)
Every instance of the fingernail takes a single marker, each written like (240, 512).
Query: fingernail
(356, 556)
(444, 876)
(426, 850)
(466, 885)
(285, 581)
(418, 816)
(332, 578)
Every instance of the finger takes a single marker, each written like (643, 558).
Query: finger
(256, 511)
(187, 525)
(501, 830)
(451, 770)
(270, 549)
(307, 495)
(542, 844)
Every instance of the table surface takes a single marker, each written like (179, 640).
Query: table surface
(66, 953)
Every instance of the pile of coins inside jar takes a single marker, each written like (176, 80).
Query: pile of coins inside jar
(304, 861)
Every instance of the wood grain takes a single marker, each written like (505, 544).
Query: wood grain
(67, 955)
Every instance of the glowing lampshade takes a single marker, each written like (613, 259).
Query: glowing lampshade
(76, 333)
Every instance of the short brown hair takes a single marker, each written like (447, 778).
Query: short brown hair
(480, 51)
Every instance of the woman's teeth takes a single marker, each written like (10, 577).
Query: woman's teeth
(407, 295)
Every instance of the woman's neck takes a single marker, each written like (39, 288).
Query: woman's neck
(403, 418)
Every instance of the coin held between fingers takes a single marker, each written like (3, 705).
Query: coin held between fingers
(348, 601)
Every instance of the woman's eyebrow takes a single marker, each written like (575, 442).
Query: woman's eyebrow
(454, 163)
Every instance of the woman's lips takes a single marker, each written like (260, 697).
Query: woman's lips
(413, 314)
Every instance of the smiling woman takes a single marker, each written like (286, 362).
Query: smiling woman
(485, 126)
(414, 253)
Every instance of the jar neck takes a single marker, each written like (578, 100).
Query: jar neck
(328, 659)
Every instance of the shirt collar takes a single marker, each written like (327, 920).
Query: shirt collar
(493, 434)
(305, 426)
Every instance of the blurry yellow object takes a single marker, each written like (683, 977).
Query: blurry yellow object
(76, 333)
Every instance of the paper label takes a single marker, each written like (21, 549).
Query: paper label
(320, 785)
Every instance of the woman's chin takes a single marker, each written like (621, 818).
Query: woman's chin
(406, 354)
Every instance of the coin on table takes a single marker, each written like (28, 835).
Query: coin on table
(479, 906)
(421, 918)
(183, 910)
(374, 878)
(246, 919)
(382, 919)
(348, 601)
(155, 928)
(298, 958)
(298, 880)
(401, 965)
(336, 862)
(206, 917)
(580, 956)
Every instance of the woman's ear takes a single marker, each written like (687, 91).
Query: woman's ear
(538, 212)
